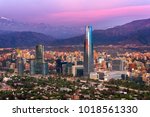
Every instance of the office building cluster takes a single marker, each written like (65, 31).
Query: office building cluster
(39, 66)
(35, 66)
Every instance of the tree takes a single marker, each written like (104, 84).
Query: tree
(10, 70)
(1, 79)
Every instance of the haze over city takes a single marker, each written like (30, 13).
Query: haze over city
(100, 14)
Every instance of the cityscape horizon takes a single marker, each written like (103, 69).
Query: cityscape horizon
(82, 50)
(51, 74)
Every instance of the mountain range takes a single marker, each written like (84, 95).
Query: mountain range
(135, 32)
(23, 39)
(47, 29)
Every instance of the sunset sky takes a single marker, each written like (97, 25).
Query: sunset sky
(100, 13)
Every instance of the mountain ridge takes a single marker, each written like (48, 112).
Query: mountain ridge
(47, 29)
(138, 30)
(24, 38)
(135, 32)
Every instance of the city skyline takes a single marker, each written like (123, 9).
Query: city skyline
(99, 14)
(60, 50)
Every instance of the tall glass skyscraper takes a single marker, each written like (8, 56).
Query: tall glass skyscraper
(88, 52)
(40, 53)
(32, 67)
(39, 58)
(20, 67)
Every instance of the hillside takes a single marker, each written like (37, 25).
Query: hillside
(22, 39)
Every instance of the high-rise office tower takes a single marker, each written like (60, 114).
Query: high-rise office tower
(88, 52)
(32, 67)
(117, 65)
(44, 68)
(20, 67)
(39, 60)
(58, 66)
(40, 53)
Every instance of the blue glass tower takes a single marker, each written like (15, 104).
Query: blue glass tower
(20, 67)
(88, 52)
(32, 67)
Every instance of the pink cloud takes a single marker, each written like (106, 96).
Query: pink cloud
(80, 17)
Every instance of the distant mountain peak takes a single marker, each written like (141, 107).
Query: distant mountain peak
(4, 18)
(47, 29)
